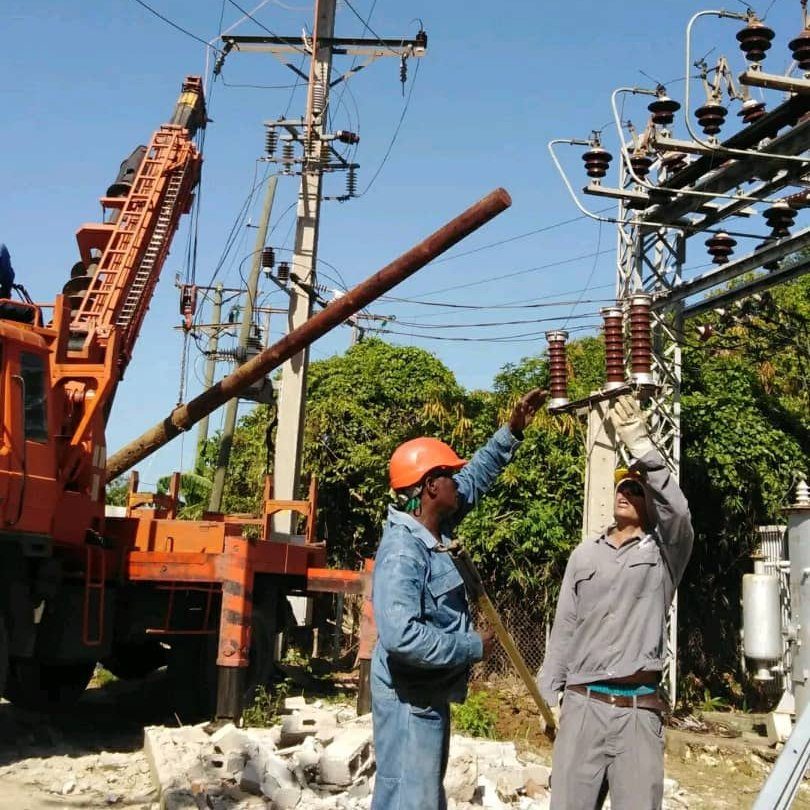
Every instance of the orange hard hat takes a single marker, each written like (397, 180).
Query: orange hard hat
(413, 460)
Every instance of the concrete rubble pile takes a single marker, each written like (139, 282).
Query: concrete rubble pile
(323, 757)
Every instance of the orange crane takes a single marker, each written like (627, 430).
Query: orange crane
(206, 597)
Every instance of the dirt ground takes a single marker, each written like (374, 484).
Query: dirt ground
(717, 771)
(91, 756)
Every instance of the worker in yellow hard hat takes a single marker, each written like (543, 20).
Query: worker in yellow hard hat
(608, 642)
(426, 641)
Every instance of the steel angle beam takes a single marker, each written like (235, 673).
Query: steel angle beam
(756, 285)
(732, 270)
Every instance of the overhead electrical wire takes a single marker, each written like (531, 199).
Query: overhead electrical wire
(396, 131)
(521, 303)
(485, 324)
(176, 26)
(502, 276)
(518, 338)
(261, 24)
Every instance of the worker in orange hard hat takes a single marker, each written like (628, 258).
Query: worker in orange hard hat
(426, 641)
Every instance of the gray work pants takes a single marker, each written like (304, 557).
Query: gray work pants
(601, 747)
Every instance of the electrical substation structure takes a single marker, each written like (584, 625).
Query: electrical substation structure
(741, 192)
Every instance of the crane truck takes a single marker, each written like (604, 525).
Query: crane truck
(207, 598)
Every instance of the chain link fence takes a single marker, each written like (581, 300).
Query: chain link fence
(525, 622)
(529, 629)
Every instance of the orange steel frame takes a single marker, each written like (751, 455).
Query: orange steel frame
(213, 555)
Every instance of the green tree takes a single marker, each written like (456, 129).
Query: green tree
(360, 406)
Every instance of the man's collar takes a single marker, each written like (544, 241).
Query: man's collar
(400, 518)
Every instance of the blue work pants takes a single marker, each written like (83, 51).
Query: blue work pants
(411, 744)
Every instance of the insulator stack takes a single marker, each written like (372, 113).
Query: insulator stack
(351, 182)
(800, 48)
(345, 136)
(640, 164)
(614, 348)
(270, 141)
(283, 272)
(288, 156)
(558, 369)
(318, 99)
(663, 109)
(780, 217)
(752, 110)
(720, 246)
(641, 339)
(597, 162)
(268, 257)
(755, 40)
(711, 117)
(673, 162)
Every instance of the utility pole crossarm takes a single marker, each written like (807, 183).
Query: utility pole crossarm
(341, 46)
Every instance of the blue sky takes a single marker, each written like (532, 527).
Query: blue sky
(86, 81)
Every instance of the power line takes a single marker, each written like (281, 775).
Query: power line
(396, 130)
(422, 316)
(414, 325)
(519, 272)
(521, 303)
(519, 338)
(262, 25)
(590, 275)
(366, 25)
(176, 26)
(516, 237)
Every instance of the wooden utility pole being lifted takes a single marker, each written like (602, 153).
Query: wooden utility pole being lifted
(317, 157)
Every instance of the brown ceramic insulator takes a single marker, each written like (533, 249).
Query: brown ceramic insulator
(752, 110)
(780, 217)
(614, 347)
(597, 162)
(711, 117)
(754, 40)
(640, 164)
(641, 339)
(558, 370)
(673, 162)
(800, 48)
(663, 109)
(720, 246)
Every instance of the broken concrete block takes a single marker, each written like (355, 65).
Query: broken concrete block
(509, 782)
(174, 754)
(347, 756)
(295, 728)
(224, 766)
(539, 774)
(461, 777)
(251, 779)
(229, 739)
(292, 704)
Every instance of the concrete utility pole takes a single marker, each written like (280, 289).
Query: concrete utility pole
(229, 425)
(318, 156)
(210, 365)
(289, 435)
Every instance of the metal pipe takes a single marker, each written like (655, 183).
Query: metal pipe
(335, 313)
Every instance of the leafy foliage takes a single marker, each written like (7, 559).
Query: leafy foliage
(475, 716)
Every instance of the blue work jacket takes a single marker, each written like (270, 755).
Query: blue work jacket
(426, 642)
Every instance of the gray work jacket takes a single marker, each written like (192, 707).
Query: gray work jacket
(612, 610)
